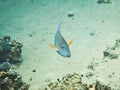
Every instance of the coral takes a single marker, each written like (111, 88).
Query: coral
(99, 86)
(68, 82)
(11, 80)
(113, 52)
(74, 82)
(10, 50)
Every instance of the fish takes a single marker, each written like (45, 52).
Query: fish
(60, 45)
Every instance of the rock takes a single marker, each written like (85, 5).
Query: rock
(89, 74)
(110, 55)
(92, 33)
(99, 86)
(34, 71)
(113, 52)
(104, 1)
(117, 44)
(70, 14)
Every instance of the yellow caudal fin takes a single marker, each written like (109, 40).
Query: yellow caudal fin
(53, 46)
(70, 42)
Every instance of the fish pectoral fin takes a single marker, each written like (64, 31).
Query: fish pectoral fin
(70, 42)
(53, 46)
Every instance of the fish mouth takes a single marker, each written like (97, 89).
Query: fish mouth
(66, 55)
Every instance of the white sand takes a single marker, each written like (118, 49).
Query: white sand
(40, 18)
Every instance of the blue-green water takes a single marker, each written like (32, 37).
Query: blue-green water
(35, 22)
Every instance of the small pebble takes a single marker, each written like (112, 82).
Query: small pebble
(92, 33)
(82, 75)
(70, 14)
(32, 0)
(109, 76)
(50, 33)
(43, 39)
(72, 18)
(30, 35)
(30, 79)
(44, 4)
(102, 21)
(34, 71)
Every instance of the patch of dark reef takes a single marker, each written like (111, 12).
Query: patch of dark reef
(11, 80)
(10, 54)
(10, 50)
(113, 52)
(74, 82)
(104, 1)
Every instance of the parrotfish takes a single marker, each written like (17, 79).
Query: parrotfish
(60, 45)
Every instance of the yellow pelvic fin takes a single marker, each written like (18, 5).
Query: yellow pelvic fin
(53, 46)
(70, 42)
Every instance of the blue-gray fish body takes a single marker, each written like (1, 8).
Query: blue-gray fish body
(61, 44)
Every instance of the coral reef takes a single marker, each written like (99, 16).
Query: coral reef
(10, 50)
(10, 80)
(113, 52)
(74, 82)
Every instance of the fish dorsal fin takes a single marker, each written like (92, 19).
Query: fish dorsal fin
(53, 46)
(59, 27)
(70, 42)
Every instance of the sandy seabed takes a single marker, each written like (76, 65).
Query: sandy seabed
(93, 26)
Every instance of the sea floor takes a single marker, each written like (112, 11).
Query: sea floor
(92, 25)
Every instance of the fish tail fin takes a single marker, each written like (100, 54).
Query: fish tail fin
(70, 42)
(53, 46)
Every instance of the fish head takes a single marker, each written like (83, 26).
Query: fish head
(64, 51)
